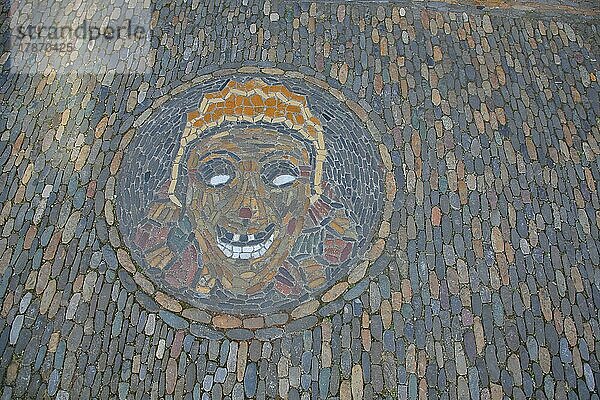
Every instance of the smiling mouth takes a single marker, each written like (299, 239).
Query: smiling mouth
(243, 246)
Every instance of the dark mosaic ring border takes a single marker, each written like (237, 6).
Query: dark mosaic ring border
(213, 325)
(346, 140)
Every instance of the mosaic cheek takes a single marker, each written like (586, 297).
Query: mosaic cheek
(288, 202)
(292, 205)
(207, 203)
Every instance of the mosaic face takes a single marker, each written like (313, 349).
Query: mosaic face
(243, 196)
(249, 191)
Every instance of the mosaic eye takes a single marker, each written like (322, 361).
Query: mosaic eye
(283, 180)
(280, 173)
(219, 180)
(216, 172)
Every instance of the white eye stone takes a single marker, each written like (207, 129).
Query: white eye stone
(281, 180)
(219, 180)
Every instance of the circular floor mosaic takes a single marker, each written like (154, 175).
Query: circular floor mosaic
(249, 195)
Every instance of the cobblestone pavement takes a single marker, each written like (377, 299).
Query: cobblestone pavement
(579, 7)
(479, 280)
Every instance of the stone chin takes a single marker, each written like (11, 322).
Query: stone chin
(245, 261)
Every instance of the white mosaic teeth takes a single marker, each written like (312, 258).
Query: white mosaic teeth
(245, 252)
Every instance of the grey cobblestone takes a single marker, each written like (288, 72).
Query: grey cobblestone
(479, 279)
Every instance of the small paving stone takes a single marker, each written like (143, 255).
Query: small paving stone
(346, 201)
(16, 327)
(356, 290)
(357, 382)
(167, 302)
(334, 292)
(239, 334)
(268, 333)
(301, 324)
(357, 273)
(226, 321)
(250, 380)
(173, 320)
(305, 309)
(254, 323)
(196, 315)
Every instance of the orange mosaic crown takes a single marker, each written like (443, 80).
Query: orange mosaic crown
(253, 101)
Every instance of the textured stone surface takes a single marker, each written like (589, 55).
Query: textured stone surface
(274, 208)
(487, 260)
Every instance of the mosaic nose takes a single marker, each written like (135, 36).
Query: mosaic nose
(245, 212)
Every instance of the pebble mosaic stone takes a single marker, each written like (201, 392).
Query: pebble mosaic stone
(461, 161)
(244, 195)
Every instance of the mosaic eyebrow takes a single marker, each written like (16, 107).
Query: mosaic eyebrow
(220, 152)
(273, 153)
(294, 153)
